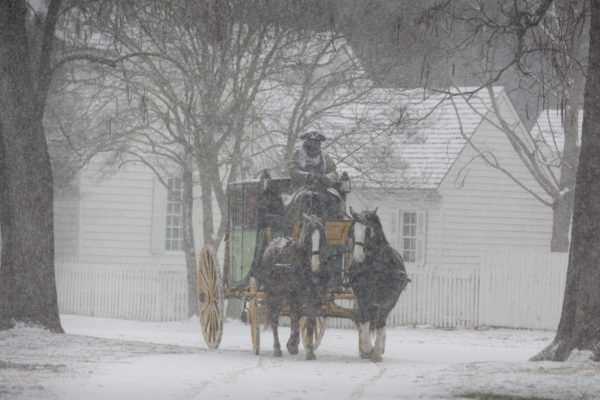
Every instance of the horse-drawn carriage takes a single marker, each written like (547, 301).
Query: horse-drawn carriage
(258, 225)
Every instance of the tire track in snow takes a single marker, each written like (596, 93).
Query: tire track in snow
(230, 377)
(359, 391)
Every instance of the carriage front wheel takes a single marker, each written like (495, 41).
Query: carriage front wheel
(211, 298)
(318, 333)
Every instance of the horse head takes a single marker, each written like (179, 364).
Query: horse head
(312, 238)
(366, 226)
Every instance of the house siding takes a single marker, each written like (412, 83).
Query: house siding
(116, 217)
(66, 221)
(486, 210)
(390, 202)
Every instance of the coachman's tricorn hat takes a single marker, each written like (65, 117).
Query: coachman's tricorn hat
(313, 135)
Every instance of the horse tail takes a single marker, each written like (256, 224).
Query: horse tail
(263, 317)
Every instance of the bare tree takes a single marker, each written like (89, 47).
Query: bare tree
(27, 283)
(185, 101)
(579, 328)
(540, 43)
(323, 87)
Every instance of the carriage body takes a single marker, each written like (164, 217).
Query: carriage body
(255, 217)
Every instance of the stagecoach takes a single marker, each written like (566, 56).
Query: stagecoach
(256, 216)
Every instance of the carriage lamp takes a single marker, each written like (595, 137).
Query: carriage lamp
(345, 185)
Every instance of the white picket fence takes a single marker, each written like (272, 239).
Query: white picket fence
(437, 296)
(126, 292)
(522, 290)
(517, 290)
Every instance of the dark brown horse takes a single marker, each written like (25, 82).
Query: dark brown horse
(377, 277)
(290, 275)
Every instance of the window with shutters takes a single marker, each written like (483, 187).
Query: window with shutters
(174, 231)
(409, 236)
(408, 227)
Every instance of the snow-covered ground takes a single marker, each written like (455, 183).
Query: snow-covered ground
(117, 359)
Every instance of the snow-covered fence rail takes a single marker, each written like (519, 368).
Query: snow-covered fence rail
(438, 296)
(522, 290)
(121, 291)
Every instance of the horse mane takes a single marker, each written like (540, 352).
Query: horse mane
(378, 234)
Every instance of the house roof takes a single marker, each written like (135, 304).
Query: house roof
(390, 138)
(425, 134)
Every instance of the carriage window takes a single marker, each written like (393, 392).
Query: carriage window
(243, 207)
(409, 236)
(174, 231)
(250, 207)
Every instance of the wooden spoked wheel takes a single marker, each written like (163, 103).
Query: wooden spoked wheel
(253, 317)
(318, 333)
(211, 298)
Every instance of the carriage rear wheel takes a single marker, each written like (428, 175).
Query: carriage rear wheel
(211, 298)
(318, 333)
(253, 317)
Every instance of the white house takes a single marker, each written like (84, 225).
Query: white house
(120, 217)
(118, 241)
(440, 202)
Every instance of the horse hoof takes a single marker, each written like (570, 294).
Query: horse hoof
(376, 358)
(292, 349)
(311, 356)
(366, 355)
(277, 353)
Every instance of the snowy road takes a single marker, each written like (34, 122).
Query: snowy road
(142, 360)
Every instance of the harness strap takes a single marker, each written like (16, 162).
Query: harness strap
(315, 252)
(359, 243)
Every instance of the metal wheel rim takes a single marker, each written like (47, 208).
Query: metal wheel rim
(210, 298)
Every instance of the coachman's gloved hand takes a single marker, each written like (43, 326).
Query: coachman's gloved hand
(312, 178)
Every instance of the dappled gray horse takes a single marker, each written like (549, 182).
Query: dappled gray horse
(377, 277)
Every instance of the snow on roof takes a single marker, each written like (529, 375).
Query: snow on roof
(549, 129)
(419, 147)
(389, 138)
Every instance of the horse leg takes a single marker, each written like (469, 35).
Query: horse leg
(292, 344)
(274, 319)
(380, 335)
(365, 348)
(311, 322)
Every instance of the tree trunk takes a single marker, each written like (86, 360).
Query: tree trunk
(562, 210)
(27, 272)
(188, 241)
(563, 206)
(208, 229)
(5, 320)
(579, 328)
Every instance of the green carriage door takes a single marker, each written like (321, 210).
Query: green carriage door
(242, 197)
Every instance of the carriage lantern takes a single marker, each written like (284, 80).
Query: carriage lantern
(345, 185)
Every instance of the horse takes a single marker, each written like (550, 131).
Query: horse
(377, 278)
(291, 275)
